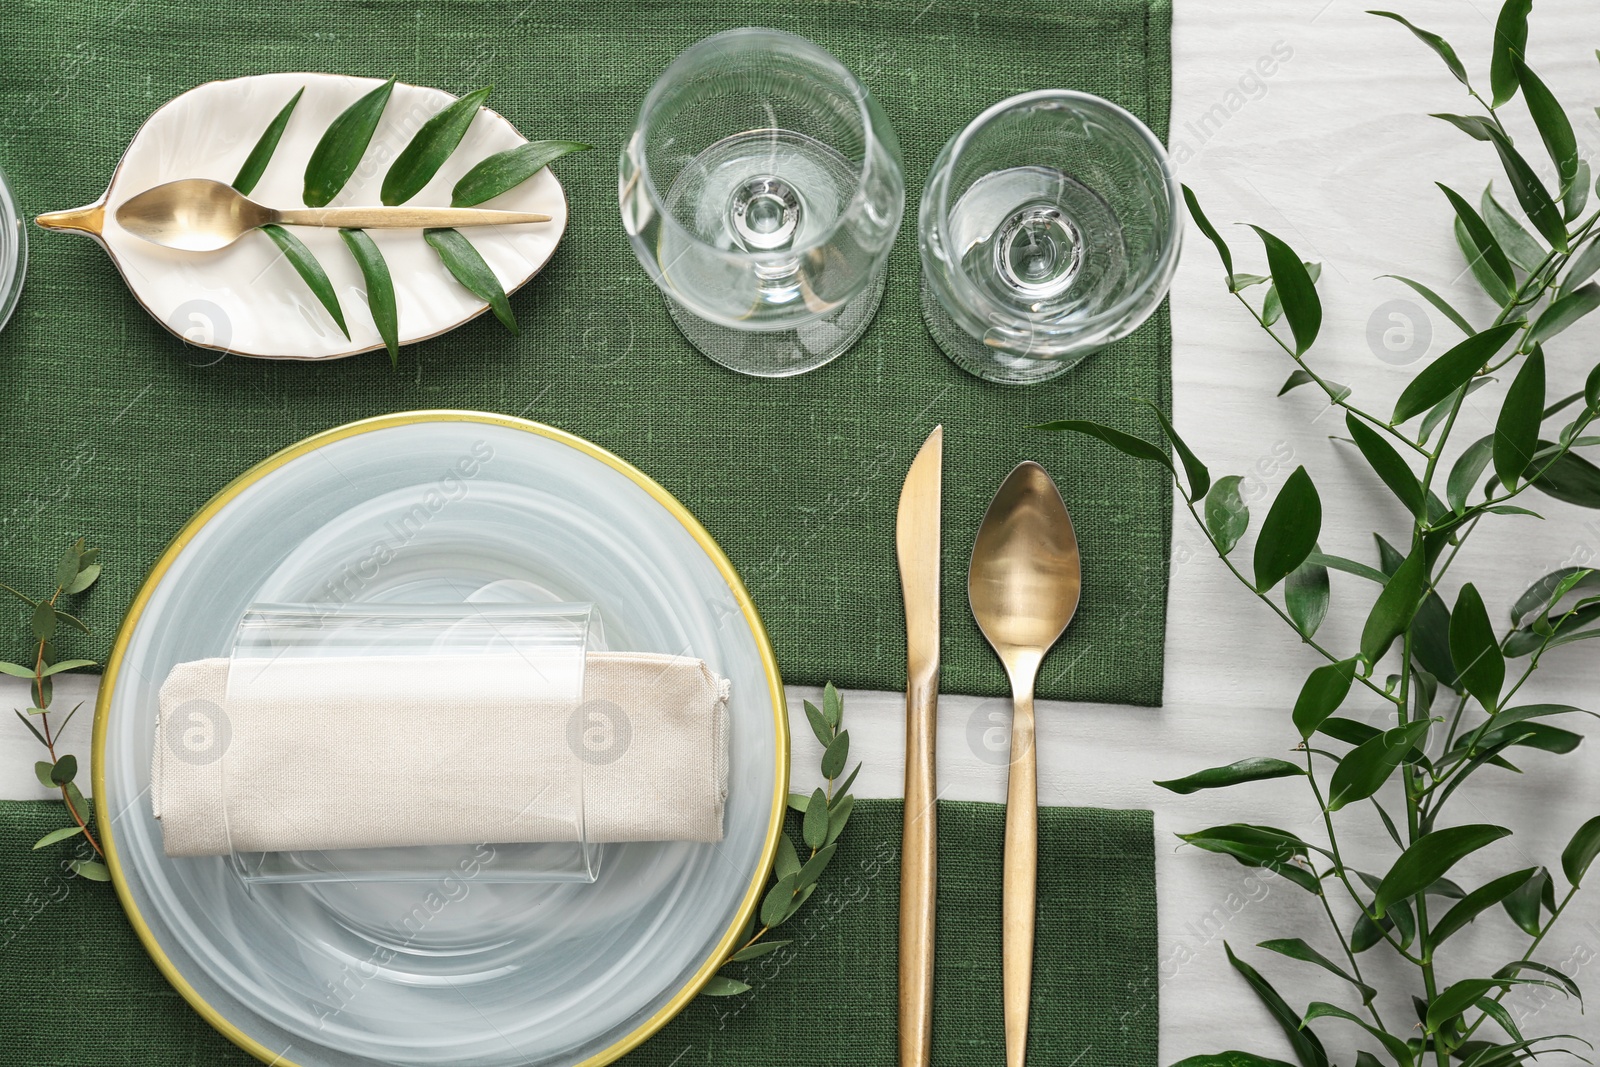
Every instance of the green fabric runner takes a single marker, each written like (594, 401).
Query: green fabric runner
(78, 988)
(111, 430)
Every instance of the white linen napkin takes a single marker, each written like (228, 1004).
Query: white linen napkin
(375, 751)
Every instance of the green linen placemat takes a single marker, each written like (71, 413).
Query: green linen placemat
(113, 430)
(78, 987)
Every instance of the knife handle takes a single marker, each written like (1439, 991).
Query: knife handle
(918, 874)
(1019, 879)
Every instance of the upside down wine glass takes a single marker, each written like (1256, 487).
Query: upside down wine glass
(761, 190)
(1049, 228)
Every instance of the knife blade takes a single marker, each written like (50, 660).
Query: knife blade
(917, 549)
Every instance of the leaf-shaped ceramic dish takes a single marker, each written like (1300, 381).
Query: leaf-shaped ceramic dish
(248, 300)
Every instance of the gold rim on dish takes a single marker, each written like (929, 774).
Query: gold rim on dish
(108, 682)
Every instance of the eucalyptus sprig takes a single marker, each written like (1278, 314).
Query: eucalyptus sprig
(337, 157)
(76, 570)
(824, 815)
(1443, 672)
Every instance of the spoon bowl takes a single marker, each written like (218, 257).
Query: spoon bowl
(1023, 586)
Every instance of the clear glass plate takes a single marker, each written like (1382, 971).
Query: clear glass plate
(13, 250)
(444, 507)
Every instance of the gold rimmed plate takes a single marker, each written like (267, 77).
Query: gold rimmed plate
(444, 506)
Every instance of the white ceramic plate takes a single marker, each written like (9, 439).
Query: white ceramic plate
(440, 507)
(246, 299)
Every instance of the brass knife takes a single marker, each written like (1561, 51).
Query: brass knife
(917, 547)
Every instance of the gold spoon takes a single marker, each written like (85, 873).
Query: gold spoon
(1023, 586)
(200, 215)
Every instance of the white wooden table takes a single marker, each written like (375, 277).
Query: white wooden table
(1309, 119)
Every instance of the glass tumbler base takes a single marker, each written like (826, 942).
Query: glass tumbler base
(783, 353)
(985, 361)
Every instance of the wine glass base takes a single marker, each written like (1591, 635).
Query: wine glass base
(985, 361)
(783, 353)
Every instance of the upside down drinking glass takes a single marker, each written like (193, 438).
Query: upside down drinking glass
(1049, 228)
(762, 190)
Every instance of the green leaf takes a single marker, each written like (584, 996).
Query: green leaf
(1475, 126)
(1562, 980)
(1433, 41)
(778, 904)
(838, 753)
(66, 665)
(1429, 858)
(65, 770)
(1555, 129)
(255, 163)
(81, 581)
(1565, 311)
(1583, 267)
(1297, 949)
(819, 724)
(1478, 901)
(1519, 247)
(1467, 470)
(1258, 846)
(1482, 238)
(339, 152)
(1348, 566)
(380, 289)
(1365, 768)
(1458, 998)
(1452, 370)
(1577, 194)
(1388, 464)
(1568, 477)
(1296, 379)
(814, 829)
(1394, 609)
(1255, 769)
(16, 670)
(1581, 851)
(306, 265)
(1516, 432)
(1487, 280)
(1290, 530)
(721, 985)
(1137, 447)
(469, 268)
(844, 789)
(757, 950)
(1231, 1058)
(839, 816)
(31, 728)
(832, 706)
(1535, 199)
(67, 566)
(1437, 301)
(1227, 517)
(78, 802)
(44, 621)
(786, 861)
(1306, 594)
(1430, 639)
(1492, 1008)
(799, 802)
(1298, 293)
(1210, 231)
(1307, 1048)
(1324, 690)
(57, 835)
(93, 870)
(814, 867)
(1391, 1044)
(1541, 595)
(43, 770)
(420, 160)
(506, 170)
(1475, 649)
(1199, 477)
(1510, 40)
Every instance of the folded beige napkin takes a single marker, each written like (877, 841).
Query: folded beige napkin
(388, 750)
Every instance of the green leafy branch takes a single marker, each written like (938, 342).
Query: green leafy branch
(335, 160)
(823, 817)
(76, 570)
(1453, 692)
